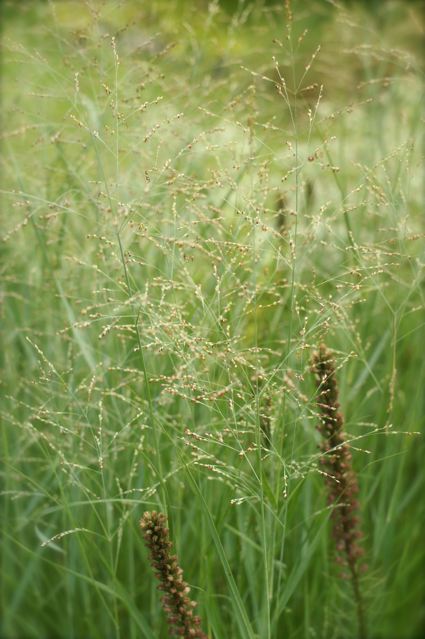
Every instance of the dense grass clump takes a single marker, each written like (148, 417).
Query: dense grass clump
(192, 202)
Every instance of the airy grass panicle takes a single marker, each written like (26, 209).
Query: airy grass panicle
(340, 477)
(189, 200)
(176, 602)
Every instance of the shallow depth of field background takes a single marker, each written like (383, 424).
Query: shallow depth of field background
(193, 197)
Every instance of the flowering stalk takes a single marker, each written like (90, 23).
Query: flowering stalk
(340, 477)
(176, 603)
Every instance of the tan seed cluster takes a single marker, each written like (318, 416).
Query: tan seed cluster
(176, 603)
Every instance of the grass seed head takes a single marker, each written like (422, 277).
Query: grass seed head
(176, 603)
(340, 477)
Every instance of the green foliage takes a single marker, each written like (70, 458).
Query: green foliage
(191, 203)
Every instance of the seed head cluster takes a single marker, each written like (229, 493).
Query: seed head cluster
(337, 461)
(176, 603)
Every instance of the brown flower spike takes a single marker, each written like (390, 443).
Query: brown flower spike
(340, 477)
(176, 603)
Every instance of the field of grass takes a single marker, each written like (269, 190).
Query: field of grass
(193, 199)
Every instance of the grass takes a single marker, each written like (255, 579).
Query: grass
(160, 308)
